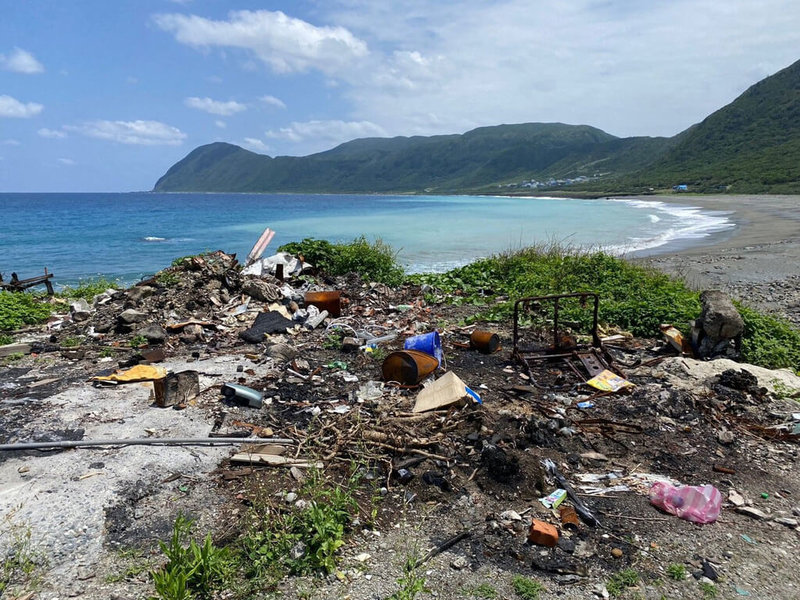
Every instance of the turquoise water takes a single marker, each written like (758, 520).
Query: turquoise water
(129, 236)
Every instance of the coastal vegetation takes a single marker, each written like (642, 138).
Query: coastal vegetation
(20, 309)
(751, 145)
(374, 261)
(632, 297)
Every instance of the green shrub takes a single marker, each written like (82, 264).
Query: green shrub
(320, 253)
(769, 341)
(5, 340)
(299, 540)
(191, 569)
(19, 308)
(373, 261)
(88, 288)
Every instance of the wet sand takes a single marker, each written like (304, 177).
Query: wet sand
(758, 261)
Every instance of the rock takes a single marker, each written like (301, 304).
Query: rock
(719, 322)
(80, 309)
(459, 563)
(787, 521)
(261, 290)
(154, 334)
(752, 512)
(138, 293)
(735, 498)
(725, 436)
(192, 333)
(616, 552)
(281, 353)
(510, 515)
(566, 544)
(350, 344)
(131, 316)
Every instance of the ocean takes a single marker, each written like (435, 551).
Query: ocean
(128, 236)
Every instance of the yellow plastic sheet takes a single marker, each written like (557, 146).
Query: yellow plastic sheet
(609, 382)
(137, 373)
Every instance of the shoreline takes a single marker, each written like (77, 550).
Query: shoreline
(757, 261)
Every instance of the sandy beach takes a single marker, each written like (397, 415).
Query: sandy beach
(757, 261)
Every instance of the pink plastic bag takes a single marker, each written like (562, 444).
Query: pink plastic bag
(699, 503)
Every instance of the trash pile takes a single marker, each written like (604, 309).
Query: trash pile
(549, 443)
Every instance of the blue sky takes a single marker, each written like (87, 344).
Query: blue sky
(102, 95)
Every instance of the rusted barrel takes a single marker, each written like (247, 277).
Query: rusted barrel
(330, 301)
(408, 367)
(485, 342)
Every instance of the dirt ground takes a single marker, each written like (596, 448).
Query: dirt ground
(95, 515)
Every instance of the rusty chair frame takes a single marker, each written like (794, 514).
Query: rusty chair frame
(594, 357)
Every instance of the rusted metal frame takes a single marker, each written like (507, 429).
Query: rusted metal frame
(555, 298)
(520, 354)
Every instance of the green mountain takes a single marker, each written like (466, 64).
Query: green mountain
(751, 145)
(443, 163)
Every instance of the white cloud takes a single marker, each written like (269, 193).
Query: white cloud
(284, 43)
(272, 101)
(67, 161)
(13, 108)
(10, 142)
(21, 61)
(144, 133)
(631, 68)
(255, 145)
(51, 133)
(221, 124)
(215, 107)
(321, 135)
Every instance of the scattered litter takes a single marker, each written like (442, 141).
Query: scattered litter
(554, 499)
(133, 375)
(242, 395)
(445, 391)
(699, 504)
(608, 381)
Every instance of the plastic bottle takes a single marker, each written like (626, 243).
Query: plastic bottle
(699, 503)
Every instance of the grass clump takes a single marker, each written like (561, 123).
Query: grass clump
(483, 590)
(526, 588)
(19, 308)
(71, 342)
(88, 288)
(19, 559)
(138, 341)
(621, 581)
(373, 261)
(193, 570)
(412, 582)
(5, 340)
(632, 297)
(676, 572)
(709, 590)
